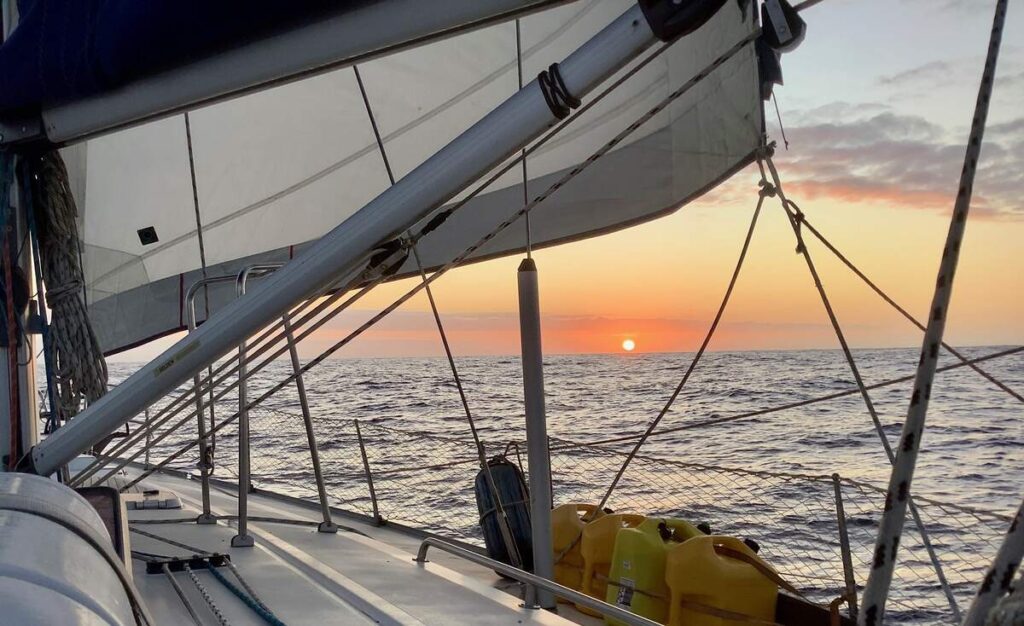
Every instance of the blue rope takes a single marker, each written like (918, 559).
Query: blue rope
(260, 610)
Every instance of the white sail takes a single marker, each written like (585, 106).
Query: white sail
(279, 168)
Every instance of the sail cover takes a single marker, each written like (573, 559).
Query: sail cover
(277, 169)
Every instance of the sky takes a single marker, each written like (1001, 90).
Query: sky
(876, 107)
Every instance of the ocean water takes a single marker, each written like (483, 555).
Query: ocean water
(765, 476)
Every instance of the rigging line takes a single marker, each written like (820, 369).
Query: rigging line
(227, 389)
(806, 4)
(176, 406)
(792, 405)
(249, 600)
(383, 274)
(526, 192)
(373, 124)
(778, 115)
(503, 524)
(795, 216)
(333, 167)
(510, 544)
(181, 594)
(451, 358)
(171, 542)
(956, 353)
(195, 201)
(511, 219)
(700, 352)
(206, 596)
(184, 400)
(202, 246)
(555, 131)
(897, 497)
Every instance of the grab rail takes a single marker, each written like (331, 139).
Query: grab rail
(562, 591)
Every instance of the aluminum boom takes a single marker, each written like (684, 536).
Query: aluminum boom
(499, 135)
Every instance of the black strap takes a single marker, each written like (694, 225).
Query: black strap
(556, 94)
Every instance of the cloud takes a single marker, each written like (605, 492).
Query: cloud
(921, 81)
(929, 73)
(878, 156)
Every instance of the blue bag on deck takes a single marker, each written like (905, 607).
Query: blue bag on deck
(515, 499)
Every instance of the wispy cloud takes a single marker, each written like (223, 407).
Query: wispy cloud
(870, 154)
(927, 73)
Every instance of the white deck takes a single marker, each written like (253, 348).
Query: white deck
(362, 575)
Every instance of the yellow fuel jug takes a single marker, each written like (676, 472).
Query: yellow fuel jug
(718, 572)
(567, 523)
(596, 548)
(636, 581)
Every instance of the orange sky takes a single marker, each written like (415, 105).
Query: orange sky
(661, 283)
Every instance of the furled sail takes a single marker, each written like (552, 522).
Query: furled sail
(276, 169)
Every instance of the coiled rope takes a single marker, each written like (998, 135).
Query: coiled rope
(80, 372)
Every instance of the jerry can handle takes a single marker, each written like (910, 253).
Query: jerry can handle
(731, 547)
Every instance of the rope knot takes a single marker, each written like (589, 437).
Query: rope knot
(768, 190)
(60, 293)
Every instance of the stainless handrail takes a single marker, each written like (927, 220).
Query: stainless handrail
(540, 582)
(262, 269)
(205, 447)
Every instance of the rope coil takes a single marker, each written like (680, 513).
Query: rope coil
(556, 94)
(80, 372)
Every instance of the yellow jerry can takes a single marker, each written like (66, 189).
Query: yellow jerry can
(636, 580)
(721, 573)
(567, 523)
(596, 548)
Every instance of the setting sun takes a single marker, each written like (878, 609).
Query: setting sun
(628, 345)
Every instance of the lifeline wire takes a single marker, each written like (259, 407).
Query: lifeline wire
(963, 359)
(801, 403)
(897, 497)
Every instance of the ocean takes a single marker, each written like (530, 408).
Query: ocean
(766, 476)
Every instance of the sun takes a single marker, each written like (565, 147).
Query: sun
(629, 345)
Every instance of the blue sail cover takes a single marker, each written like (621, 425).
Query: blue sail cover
(67, 49)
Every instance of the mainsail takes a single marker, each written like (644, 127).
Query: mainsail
(277, 169)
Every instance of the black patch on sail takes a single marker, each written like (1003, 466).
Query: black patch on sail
(148, 235)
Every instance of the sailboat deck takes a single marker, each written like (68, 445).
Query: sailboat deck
(362, 574)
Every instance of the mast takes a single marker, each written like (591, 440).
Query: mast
(341, 252)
